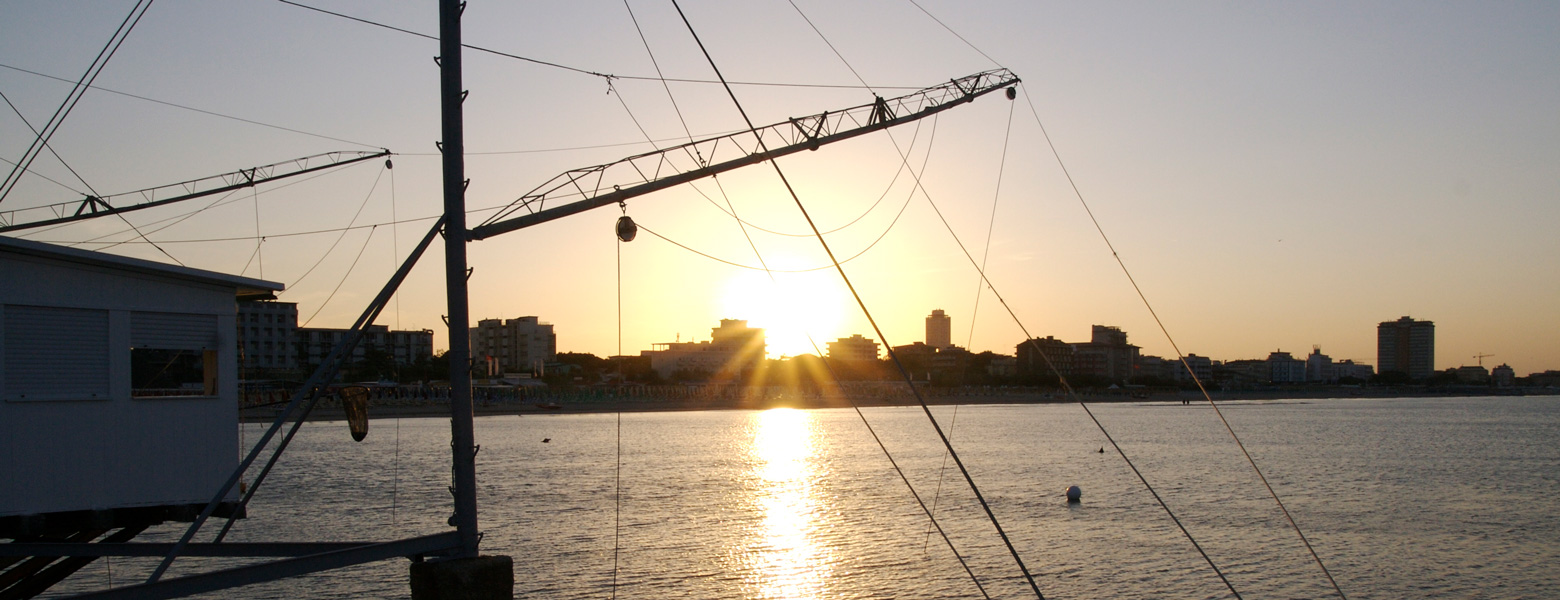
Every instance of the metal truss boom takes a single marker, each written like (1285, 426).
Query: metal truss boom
(92, 207)
(582, 189)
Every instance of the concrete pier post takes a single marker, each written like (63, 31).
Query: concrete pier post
(477, 578)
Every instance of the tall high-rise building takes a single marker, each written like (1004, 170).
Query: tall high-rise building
(267, 333)
(1406, 346)
(520, 345)
(939, 330)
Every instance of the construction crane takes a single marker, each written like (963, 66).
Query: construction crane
(1481, 356)
(582, 189)
(92, 207)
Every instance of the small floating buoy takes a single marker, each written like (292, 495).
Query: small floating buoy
(545, 440)
(1074, 494)
(1102, 449)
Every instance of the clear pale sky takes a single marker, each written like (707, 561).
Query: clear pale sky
(1275, 175)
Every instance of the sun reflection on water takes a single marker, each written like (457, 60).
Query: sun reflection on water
(784, 552)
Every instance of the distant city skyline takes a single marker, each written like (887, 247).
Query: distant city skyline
(858, 345)
(1273, 175)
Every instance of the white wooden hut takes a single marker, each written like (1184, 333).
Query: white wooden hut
(118, 388)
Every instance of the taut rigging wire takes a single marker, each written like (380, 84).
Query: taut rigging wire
(395, 240)
(83, 180)
(1182, 358)
(222, 200)
(980, 287)
(617, 431)
(770, 273)
(1162, 328)
(366, 197)
(806, 270)
(689, 149)
(251, 259)
(1070, 392)
(955, 33)
(245, 238)
(730, 213)
(193, 109)
(937, 495)
(255, 195)
(395, 263)
(587, 71)
(76, 92)
(730, 210)
(47, 146)
(860, 303)
(176, 220)
(344, 277)
(895, 179)
(664, 85)
(42, 176)
(991, 226)
(990, 516)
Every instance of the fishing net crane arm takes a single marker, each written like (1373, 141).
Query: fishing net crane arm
(92, 207)
(607, 184)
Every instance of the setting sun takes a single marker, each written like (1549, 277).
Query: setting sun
(788, 309)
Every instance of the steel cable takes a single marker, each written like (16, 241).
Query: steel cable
(878, 330)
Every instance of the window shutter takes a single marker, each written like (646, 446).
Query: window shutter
(56, 353)
(172, 331)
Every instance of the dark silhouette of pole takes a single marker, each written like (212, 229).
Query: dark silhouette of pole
(462, 440)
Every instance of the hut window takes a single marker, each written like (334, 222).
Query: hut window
(173, 354)
(159, 372)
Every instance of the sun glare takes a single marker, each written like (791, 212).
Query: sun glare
(784, 552)
(787, 309)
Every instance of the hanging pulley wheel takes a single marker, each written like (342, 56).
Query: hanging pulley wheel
(626, 229)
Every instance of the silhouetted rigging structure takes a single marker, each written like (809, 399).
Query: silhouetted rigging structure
(582, 189)
(94, 206)
(573, 192)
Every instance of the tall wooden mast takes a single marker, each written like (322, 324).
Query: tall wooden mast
(462, 440)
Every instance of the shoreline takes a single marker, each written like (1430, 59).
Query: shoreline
(376, 412)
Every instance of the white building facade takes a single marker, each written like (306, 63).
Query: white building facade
(733, 349)
(1284, 368)
(520, 345)
(854, 348)
(118, 382)
(939, 330)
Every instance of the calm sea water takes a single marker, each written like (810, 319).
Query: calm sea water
(1410, 498)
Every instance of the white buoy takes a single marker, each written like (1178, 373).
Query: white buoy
(1074, 494)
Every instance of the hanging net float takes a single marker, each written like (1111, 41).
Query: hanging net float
(354, 401)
